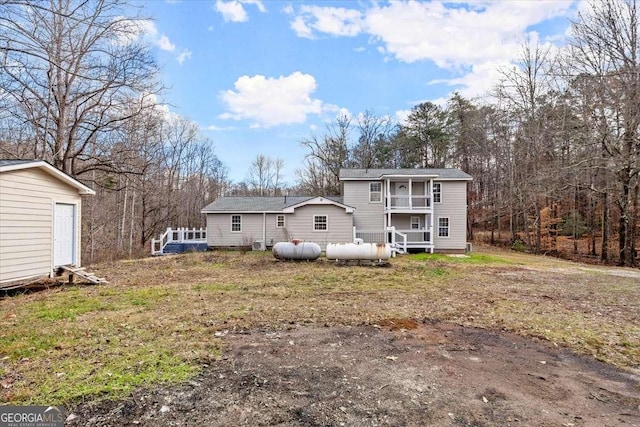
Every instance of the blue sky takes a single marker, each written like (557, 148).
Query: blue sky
(260, 76)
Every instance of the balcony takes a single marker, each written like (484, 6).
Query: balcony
(404, 203)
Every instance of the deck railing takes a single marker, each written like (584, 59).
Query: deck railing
(399, 240)
(181, 235)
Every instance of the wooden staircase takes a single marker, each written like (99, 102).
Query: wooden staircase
(82, 273)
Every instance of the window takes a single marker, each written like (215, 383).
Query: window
(375, 192)
(320, 223)
(443, 227)
(415, 223)
(437, 192)
(236, 223)
(280, 221)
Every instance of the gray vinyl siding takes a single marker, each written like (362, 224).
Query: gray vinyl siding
(367, 216)
(403, 221)
(219, 232)
(340, 225)
(298, 225)
(27, 203)
(275, 234)
(453, 206)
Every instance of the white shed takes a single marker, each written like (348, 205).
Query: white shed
(40, 226)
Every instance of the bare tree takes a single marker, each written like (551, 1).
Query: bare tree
(327, 155)
(73, 70)
(605, 54)
(264, 177)
(373, 149)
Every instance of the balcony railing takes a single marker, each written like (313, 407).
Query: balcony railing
(408, 202)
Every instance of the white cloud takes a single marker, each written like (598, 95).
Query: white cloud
(234, 11)
(257, 3)
(268, 101)
(215, 128)
(299, 26)
(337, 21)
(288, 9)
(464, 38)
(165, 44)
(456, 37)
(402, 115)
(137, 29)
(183, 56)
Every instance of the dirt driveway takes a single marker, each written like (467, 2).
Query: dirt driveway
(398, 373)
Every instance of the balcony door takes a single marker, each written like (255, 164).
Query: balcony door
(402, 194)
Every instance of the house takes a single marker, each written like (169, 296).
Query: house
(40, 212)
(412, 209)
(264, 221)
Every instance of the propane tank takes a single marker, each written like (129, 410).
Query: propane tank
(296, 250)
(358, 251)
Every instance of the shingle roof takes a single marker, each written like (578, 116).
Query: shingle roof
(258, 204)
(449, 173)
(8, 162)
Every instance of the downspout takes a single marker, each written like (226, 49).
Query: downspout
(433, 214)
(264, 228)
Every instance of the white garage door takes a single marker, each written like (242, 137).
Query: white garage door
(64, 235)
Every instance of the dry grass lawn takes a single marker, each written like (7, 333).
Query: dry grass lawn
(159, 319)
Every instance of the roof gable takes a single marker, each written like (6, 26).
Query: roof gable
(319, 201)
(13, 165)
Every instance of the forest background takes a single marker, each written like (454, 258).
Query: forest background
(553, 149)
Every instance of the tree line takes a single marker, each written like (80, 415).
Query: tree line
(553, 149)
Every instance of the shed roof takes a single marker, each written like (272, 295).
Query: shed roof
(261, 203)
(445, 174)
(12, 165)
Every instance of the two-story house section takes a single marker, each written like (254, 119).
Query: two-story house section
(420, 209)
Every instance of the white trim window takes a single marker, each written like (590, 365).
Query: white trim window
(236, 223)
(280, 221)
(375, 192)
(415, 223)
(443, 227)
(320, 223)
(437, 192)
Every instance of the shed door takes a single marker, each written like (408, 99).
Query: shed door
(64, 235)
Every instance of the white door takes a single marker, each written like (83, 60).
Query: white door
(64, 235)
(402, 194)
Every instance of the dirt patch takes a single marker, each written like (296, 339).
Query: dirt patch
(398, 324)
(397, 372)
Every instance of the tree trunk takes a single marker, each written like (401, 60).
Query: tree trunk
(604, 254)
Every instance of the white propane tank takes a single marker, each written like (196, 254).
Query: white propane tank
(358, 251)
(296, 250)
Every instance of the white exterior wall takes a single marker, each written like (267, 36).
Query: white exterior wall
(368, 216)
(27, 205)
(453, 206)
